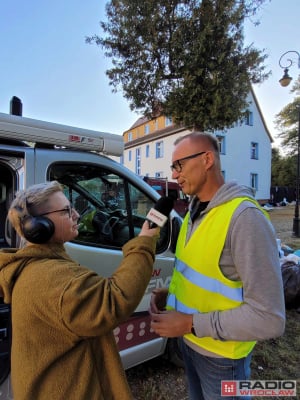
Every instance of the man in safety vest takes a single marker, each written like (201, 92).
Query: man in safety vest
(226, 290)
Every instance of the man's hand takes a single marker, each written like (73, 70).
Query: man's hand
(158, 300)
(171, 323)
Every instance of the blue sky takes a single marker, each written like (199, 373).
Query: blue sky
(45, 61)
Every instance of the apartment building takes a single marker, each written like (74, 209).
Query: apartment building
(245, 149)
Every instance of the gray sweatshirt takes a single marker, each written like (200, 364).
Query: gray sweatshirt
(250, 254)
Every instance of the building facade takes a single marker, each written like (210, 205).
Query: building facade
(245, 149)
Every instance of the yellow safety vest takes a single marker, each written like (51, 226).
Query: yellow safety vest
(198, 285)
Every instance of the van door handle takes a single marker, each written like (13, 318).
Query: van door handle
(3, 334)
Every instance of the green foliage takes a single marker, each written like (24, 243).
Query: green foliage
(284, 169)
(287, 122)
(185, 57)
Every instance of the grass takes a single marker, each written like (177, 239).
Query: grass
(278, 359)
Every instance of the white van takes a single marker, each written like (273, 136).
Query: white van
(34, 151)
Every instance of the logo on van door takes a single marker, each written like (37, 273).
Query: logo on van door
(157, 282)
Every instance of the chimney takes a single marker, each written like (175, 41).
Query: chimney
(16, 106)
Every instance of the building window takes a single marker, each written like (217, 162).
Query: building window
(249, 118)
(254, 151)
(146, 129)
(159, 149)
(254, 181)
(221, 140)
(122, 159)
(138, 161)
(168, 121)
(147, 151)
(129, 136)
(129, 155)
(159, 174)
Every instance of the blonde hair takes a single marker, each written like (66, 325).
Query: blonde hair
(32, 201)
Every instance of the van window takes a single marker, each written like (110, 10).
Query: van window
(112, 210)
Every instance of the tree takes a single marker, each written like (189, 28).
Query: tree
(183, 57)
(287, 122)
(284, 169)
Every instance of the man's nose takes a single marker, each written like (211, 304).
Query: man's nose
(175, 174)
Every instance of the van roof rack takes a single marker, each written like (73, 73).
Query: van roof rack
(36, 131)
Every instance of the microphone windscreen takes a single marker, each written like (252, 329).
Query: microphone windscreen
(164, 205)
(158, 215)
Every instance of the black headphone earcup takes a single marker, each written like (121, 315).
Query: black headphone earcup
(37, 229)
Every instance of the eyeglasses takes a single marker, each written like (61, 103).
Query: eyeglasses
(177, 166)
(68, 210)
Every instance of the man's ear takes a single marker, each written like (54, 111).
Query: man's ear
(209, 158)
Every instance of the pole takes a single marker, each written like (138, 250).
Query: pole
(285, 81)
(296, 215)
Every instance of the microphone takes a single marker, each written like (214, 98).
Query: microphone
(158, 215)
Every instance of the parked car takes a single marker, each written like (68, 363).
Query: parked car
(166, 188)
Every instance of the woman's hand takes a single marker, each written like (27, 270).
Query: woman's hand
(146, 231)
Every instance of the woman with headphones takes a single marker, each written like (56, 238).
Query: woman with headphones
(63, 314)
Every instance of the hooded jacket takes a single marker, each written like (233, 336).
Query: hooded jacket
(249, 255)
(63, 316)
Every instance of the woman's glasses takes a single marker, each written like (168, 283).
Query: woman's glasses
(68, 210)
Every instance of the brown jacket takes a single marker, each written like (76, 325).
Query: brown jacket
(63, 316)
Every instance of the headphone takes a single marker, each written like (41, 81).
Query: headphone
(37, 229)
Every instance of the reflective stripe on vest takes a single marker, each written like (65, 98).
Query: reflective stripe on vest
(198, 284)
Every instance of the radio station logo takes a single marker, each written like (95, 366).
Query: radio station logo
(259, 388)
